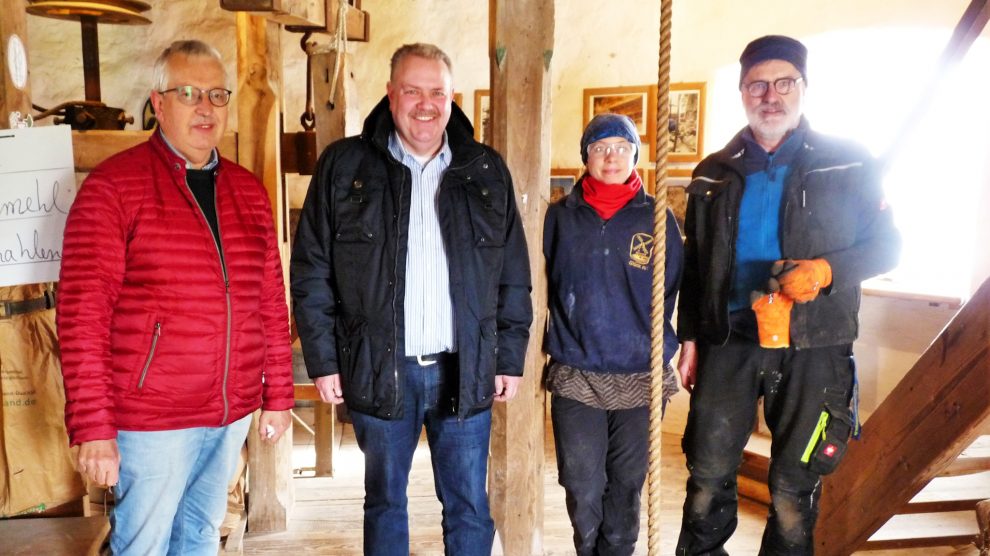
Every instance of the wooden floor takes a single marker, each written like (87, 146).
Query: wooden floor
(327, 517)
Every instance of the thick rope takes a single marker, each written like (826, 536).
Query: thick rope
(659, 264)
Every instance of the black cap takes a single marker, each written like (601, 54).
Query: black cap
(774, 47)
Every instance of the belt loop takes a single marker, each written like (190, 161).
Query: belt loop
(5, 310)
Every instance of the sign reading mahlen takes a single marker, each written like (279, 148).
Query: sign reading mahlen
(37, 187)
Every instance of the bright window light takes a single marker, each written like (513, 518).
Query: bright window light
(864, 84)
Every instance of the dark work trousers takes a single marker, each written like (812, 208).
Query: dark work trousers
(795, 385)
(601, 463)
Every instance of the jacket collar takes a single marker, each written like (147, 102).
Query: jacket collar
(174, 160)
(460, 134)
(735, 152)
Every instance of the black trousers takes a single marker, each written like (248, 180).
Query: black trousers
(796, 385)
(602, 464)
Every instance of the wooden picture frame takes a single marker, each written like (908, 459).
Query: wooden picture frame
(639, 102)
(482, 116)
(686, 141)
(562, 181)
(459, 99)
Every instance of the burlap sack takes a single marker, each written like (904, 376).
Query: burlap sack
(36, 471)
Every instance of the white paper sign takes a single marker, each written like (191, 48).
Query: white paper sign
(37, 187)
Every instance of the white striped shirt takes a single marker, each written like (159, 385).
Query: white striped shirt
(429, 312)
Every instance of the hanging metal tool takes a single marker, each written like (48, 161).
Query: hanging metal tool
(299, 148)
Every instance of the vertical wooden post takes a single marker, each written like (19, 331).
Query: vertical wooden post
(520, 48)
(259, 88)
(16, 94)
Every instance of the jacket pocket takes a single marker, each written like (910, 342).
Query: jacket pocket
(156, 333)
(487, 208)
(354, 360)
(706, 188)
(487, 361)
(357, 213)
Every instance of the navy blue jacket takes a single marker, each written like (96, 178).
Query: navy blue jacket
(600, 279)
(349, 261)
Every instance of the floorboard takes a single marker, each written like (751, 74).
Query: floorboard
(327, 517)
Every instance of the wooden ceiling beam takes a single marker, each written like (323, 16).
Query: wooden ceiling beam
(315, 15)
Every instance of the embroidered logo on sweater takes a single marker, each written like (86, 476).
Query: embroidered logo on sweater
(640, 251)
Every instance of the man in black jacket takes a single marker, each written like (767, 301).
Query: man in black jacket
(411, 282)
(782, 226)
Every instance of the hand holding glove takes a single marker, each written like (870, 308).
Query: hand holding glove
(773, 318)
(800, 280)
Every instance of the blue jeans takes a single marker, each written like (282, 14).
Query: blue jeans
(172, 493)
(458, 449)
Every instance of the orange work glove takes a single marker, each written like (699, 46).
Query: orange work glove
(773, 319)
(800, 280)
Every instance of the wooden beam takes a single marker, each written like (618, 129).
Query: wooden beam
(937, 410)
(316, 15)
(983, 522)
(520, 49)
(309, 13)
(358, 21)
(969, 28)
(259, 93)
(16, 93)
(327, 432)
(89, 148)
(270, 496)
(336, 117)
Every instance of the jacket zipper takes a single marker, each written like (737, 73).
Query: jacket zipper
(226, 287)
(395, 272)
(455, 405)
(395, 280)
(151, 353)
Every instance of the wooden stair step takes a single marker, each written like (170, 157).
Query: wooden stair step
(959, 487)
(954, 493)
(925, 530)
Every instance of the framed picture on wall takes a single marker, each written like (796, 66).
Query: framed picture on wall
(687, 122)
(459, 99)
(482, 116)
(638, 102)
(562, 181)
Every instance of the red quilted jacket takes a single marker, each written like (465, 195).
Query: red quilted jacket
(155, 333)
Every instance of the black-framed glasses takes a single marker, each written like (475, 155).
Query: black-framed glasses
(783, 86)
(190, 96)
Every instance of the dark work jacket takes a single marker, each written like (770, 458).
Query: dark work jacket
(349, 260)
(833, 208)
(600, 281)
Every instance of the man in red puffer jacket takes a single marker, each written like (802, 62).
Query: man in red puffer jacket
(172, 317)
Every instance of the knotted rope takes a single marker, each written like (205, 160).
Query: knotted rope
(659, 264)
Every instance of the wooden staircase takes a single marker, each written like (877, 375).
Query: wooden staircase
(941, 514)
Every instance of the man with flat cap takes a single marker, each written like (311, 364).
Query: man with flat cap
(782, 226)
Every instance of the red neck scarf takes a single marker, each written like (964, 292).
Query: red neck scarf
(608, 198)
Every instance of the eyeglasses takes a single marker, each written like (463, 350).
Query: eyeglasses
(190, 96)
(601, 150)
(783, 86)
